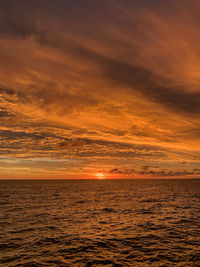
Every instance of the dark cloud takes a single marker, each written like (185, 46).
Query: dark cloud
(4, 113)
(144, 81)
(72, 144)
(11, 135)
(124, 171)
(154, 172)
(19, 18)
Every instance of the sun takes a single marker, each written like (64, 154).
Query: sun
(100, 175)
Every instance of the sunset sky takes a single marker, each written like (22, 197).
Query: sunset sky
(99, 89)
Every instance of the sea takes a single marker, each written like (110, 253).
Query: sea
(100, 223)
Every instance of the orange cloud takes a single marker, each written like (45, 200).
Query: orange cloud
(114, 81)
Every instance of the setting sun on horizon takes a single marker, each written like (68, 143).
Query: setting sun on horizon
(100, 175)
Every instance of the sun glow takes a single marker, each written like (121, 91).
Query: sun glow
(100, 175)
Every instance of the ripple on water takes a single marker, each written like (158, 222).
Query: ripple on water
(114, 223)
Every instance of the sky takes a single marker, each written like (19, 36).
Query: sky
(99, 89)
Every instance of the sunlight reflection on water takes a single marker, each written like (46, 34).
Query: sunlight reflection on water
(100, 223)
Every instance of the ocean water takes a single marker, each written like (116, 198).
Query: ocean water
(100, 223)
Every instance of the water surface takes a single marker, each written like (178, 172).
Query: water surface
(100, 223)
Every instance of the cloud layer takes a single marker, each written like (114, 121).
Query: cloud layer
(101, 86)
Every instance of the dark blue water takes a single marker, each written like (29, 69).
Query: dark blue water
(100, 223)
